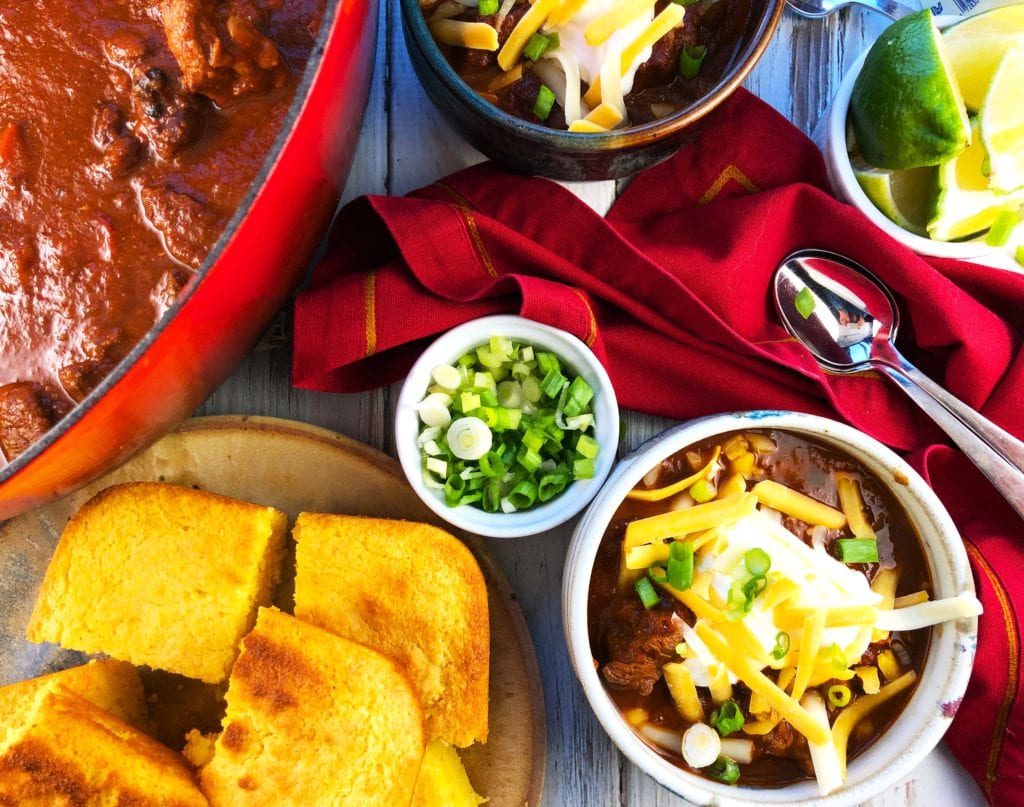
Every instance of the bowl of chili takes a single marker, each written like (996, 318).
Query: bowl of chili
(523, 85)
(770, 606)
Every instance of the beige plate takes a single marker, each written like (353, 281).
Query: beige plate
(295, 467)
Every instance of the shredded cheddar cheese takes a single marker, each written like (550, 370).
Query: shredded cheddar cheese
(527, 26)
(476, 35)
(618, 16)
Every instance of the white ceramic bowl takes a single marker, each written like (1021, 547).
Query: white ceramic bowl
(950, 653)
(831, 137)
(577, 356)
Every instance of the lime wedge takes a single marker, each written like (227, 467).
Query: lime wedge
(965, 204)
(905, 197)
(906, 108)
(975, 47)
(1002, 123)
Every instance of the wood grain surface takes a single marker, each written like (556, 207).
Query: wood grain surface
(404, 145)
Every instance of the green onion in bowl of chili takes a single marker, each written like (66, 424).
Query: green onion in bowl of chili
(507, 427)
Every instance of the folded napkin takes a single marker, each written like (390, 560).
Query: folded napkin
(671, 290)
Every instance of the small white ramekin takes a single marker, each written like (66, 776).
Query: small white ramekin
(947, 666)
(831, 138)
(580, 360)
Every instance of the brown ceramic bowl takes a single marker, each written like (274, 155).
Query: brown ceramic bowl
(575, 156)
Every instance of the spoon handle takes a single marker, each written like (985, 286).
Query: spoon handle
(998, 454)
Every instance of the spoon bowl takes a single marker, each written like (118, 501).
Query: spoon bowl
(847, 319)
(816, 9)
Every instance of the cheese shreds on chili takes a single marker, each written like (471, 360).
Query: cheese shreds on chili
(618, 16)
(476, 35)
(527, 26)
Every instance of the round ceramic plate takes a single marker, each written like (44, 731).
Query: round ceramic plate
(294, 467)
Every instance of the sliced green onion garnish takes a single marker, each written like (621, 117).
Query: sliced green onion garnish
(535, 47)
(583, 469)
(545, 100)
(727, 718)
(645, 589)
(857, 550)
(758, 562)
(703, 490)
(691, 58)
(804, 302)
(524, 494)
(680, 565)
(754, 588)
(1002, 228)
(489, 429)
(839, 695)
(725, 769)
(488, 7)
(781, 645)
(658, 573)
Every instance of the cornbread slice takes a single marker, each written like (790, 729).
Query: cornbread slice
(69, 752)
(411, 591)
(161, 575)
(113, 686)
(313, 719)
(443, 781)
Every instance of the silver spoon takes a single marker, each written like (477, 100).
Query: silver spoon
(815, 9)
(848, 319)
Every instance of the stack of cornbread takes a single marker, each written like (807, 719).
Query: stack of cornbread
(360, 698)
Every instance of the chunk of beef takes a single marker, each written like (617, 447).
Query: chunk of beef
(27, 411)
(220, 49)
(663, 65)
(639, 642)
(187, 223)
(785, 741)
(167, 116)
(81, 378)
(520, 97)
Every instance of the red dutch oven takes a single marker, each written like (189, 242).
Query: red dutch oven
(258, 261)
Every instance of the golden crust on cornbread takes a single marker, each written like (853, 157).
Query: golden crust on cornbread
(113, 686)
(69, 752)
(411, 591)
(161, 575)
(314, 719)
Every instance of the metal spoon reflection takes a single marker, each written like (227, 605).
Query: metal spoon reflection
(850, 326)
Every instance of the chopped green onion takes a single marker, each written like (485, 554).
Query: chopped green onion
(553, 383)
(1002, 228)
(658, 573)
(546, 362)
(545, 100)
(488, 7)
(551, 485)
(857, 550)
(754, 588)
(805, 302)
(645, 589)
(453, 490)
(703, 490)
(680, 565)
(691, 58)
(725, 769)
(1019, 254)
(587, 446)
(492, 464)
(537, 46)
(529, 459)
(492, 497)
(583, 469)
(523, 495)
(781, 645)
(839, 695)
(487, 358)
(758, 562)
(727, 718)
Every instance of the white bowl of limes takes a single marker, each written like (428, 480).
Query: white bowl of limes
(939, 161)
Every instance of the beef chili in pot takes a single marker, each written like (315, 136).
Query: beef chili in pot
(589, 65)
(130, 131)
(760, 609)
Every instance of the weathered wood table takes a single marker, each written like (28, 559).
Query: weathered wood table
(405, 144)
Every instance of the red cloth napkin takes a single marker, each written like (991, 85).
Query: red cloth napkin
(671, 292)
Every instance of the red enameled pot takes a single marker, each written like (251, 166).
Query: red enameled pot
(256, 264)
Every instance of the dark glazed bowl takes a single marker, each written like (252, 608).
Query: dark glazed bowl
(535, 149)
